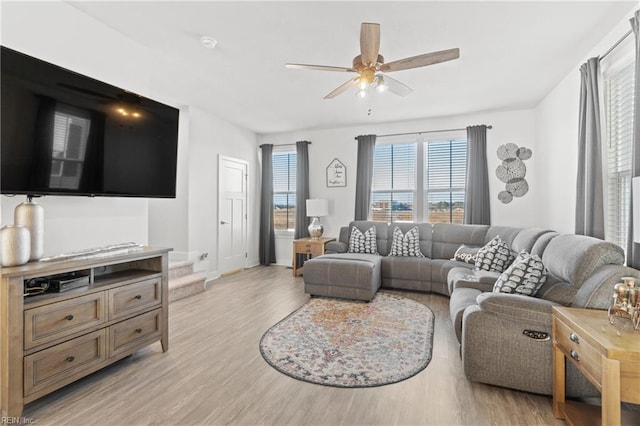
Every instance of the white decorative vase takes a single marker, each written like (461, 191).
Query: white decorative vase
(16, 245)
(31, 216)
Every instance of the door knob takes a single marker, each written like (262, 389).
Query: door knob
(224, 222)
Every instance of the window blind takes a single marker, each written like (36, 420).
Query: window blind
(445, 180)
(284, 190)
(394, 183)
(619, 89)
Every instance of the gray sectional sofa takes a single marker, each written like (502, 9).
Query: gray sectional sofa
(493, 328)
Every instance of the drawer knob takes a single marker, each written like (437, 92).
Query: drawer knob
(138, 330)
(69, 317)
(137, 296)
(574, 338)
(574, 355)
(71, 359)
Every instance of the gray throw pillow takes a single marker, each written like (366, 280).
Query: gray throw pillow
(525, 276)
(494, 256)
(406, 244)
(363, 243)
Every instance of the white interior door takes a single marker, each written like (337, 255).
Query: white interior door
(232, 214)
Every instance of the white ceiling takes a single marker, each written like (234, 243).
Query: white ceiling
(511, 54)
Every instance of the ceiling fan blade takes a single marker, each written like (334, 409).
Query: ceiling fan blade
(343, 88)
(318, 67)
(421, 60)
(397, 87)
(369, 43)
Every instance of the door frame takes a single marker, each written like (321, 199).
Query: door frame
(222, 158)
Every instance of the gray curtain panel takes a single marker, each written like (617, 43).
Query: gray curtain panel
(589, 194)
(477, 209)
(267, 239)
(364, 175)
(633, 249)
(302, 194)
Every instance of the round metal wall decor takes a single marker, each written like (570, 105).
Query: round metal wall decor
(512, 171)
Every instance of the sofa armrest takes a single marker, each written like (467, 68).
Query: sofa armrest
(517, 308)
(334, 247)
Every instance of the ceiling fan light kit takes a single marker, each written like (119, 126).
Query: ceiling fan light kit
(370, 66)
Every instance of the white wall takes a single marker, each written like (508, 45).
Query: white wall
(510, 126)
(59, 33)
(556, 119)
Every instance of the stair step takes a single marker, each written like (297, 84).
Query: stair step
(180, 269)
(186, 286)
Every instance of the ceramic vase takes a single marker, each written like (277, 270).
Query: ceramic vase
(31, 216)
(15, 243)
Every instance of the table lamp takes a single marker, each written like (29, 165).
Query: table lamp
(315, 209)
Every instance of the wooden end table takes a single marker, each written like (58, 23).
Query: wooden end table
(611, 362)
(308, 246)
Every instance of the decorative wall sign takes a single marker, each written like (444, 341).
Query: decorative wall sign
(512, 171)
(336, 174)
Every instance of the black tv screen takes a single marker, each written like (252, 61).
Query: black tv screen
(63, 133)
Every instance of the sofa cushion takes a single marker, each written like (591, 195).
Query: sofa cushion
(448, 237)
(527, 238)
(524, 276)
(494, 256)
(363, 242)
(463, 277)
(405, 244)
(460, 300)
(574, 258)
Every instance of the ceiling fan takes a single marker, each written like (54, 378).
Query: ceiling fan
(370, 65)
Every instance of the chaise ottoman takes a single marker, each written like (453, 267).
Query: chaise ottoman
(347, 276)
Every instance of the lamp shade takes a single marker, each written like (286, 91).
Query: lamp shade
(317, 207)
(636, 208)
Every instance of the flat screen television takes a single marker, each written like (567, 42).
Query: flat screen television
(62, 133)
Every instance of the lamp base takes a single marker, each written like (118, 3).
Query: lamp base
(316, 229)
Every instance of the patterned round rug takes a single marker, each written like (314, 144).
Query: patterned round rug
(352, 344)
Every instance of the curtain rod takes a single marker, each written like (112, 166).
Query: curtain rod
(424, 131)
(286, 144)
(616, 44)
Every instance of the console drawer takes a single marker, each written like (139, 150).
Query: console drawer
(579, 352)
(64, 363)
(308, 248)
(126, 300)
(57, 320)
(137, 331)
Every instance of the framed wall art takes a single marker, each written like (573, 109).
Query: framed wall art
(336, 174)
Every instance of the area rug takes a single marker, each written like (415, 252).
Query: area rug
(352, 344)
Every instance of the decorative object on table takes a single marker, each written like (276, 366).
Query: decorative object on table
(352, 344)
(626, 302)
(15, 244)
(315, 209)
(512, 171)
(31, 216)
(336, 174)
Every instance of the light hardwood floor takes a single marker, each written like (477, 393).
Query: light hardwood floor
(214, 374)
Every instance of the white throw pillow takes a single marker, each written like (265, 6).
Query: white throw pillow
(525, 276)
(363, 243)
(406, 244)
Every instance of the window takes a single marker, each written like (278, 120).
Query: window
(284, 190)
(393, 190)
(618, 77)
(419, 181)
(444, 181)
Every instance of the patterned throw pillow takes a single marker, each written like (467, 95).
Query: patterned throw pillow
(406, 244)
(363, 243)
(466, 254)
(494, 256)
(525, 276)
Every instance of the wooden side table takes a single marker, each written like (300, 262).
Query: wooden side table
(308, 246)
(610, 362)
